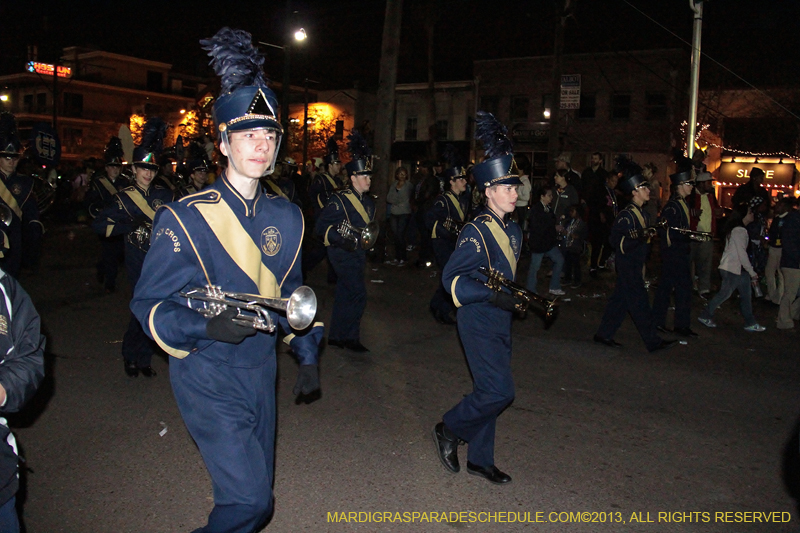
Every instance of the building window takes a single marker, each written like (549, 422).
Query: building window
(73, 105)
(72, 138)
(519, 108)
(442, 129)
(547, 106)
(490, 104)
(155, 81)
(588, 109)
(411, 129)
(656, 106)
(41, 103)
(27, 103)
(621, 106)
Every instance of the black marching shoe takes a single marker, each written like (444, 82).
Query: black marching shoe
(663, 329)
(337, 343)
(446, 448)
(131, 369)
(686, 332)
(491, 473)
(147, 371)
(665, 345)
(355, 346)
(611, 343)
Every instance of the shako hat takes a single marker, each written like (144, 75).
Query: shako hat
(631, 175)
(114, 153)
(10, 144)
(496, 168)
(360, 153)
(147, 154)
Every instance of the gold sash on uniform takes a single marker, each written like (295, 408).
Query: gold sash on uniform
(141, 203)
(239, 246)
(504, 243)
(355, 202)
(107, 184)
(274, 186)
(9, 199)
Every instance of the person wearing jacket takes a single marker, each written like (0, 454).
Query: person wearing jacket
(543, 241)
(21, 372)
(703, 213)
(736, 271)
(790, 268)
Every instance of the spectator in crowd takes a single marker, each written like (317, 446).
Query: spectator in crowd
(790, 268)
(653, 205)
(593, 177)
(523, 194)
(564, 168)
(399, 196)
(754, 187)
(543, 240)
(573, 245)
(736, 271)
(564, 195)
(703, 213)
(603, 210)
(427, 189)
(773, 270)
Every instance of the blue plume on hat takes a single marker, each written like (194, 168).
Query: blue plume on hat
(114, 153)
(452, 157)
(9, 139)
(493, 134)
(153, 135)
(235, 60)
(357, 145)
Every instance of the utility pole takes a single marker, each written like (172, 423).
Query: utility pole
(287, 54)
(384, 123)
(694, 88)
(562, 13)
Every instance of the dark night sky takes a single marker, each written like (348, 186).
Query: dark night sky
(345, 35)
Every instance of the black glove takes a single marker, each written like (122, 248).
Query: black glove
(504, 301)
(223, 328)
(307, 380)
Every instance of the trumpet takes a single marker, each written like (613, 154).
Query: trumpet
(6, 215)
(649, 231)
(700, 236)
(252, 310)
(365, 237)
(495, 281)
(140, 237)
(452, 225)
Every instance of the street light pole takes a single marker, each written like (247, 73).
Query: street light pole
(697, 7)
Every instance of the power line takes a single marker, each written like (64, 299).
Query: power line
(654, 21)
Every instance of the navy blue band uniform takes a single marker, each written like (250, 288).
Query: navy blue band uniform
(217, 237)
(447, 207)
(20, 242)
(131, 215)
(322, 186)
(280, 186)
(485, 330)
(348, 260)
(676, 273)
(102, 193)
(630, 294)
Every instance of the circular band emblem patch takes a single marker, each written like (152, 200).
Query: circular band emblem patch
(271, 241)
(157, 203)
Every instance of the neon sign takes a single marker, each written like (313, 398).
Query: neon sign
(47, 69)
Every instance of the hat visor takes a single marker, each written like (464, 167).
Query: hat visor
(255, 123)
(148, 166)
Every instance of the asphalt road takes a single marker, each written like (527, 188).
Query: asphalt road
(705, 428)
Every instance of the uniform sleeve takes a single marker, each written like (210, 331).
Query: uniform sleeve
(113, 220)
(169, 268)
(22, 367)
(328, 221)
(621, 239)
(672, 215)
(304, 344)
(435, 217)
(460, 274)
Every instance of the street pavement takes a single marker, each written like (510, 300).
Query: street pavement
(613, 437)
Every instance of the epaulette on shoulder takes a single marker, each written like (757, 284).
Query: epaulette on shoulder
(206, 196)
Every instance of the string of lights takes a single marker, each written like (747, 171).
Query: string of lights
(747, 153)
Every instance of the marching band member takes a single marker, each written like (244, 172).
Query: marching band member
(449, 210)
(132, 215)
(346, 253)
(197, 165)
(630, 241)
(491, 240)
(676, 269)
(234, 236)
(20, 241)
(102, 193)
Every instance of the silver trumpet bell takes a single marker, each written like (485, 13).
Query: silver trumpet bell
(6, 215)
(300, 307)
(366, 237)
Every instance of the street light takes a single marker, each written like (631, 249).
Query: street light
(299, 36)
